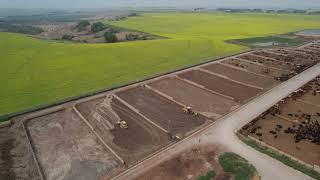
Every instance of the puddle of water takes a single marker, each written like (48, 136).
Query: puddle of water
(309, 32)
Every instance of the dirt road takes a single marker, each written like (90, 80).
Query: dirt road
(223, 133)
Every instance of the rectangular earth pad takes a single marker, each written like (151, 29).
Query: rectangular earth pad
(140, 139)
(67, 149)
(241, 76)
(220, 85)
(163, 112)
(255, 68)
(200, 100)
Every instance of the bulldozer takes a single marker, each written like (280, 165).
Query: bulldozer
(124, 125)
(188, 110)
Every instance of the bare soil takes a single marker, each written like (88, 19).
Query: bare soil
(58, 30)
(16, 161)
(267, 62)
(293, 54)
(6, 144)
(189, 165)
(312, 51)
(294, 110)
(255, 68)
(315, 46)
(240, 92)
(309, 52)
(67, 148)
(162, 111)
(132, 144)
(310, 96)
(278, 57)
(200, 100)
(304, 150)
(140, 139)
(241, 76)
(291, 58)
(297, 110)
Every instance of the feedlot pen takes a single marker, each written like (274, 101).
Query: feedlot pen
(127, 125)
(293, 125)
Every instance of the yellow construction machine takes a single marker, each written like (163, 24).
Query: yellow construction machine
(124, 125)
(188, 110)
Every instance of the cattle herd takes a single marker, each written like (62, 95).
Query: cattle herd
(308, 126)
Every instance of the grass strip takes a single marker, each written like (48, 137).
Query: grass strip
(238, 166)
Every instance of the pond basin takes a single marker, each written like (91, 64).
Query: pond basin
(309, 32)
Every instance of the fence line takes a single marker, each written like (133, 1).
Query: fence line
(314, 167)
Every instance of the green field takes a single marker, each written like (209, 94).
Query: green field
(35, 72)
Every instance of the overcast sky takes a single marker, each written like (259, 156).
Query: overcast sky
(302, 4)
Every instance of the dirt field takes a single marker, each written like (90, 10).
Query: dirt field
(192, 164)
(293, 54)
(267, 62)
(296, 59)
(278, 57)
(67, 149)
(162, 111)
(315, 47)
(255, 68)
(310, 96)
(57, 30)
(189, 165)
(294, 110)
(311, 52)
(302, 51)
(240, 92)
(132, 144)
(303, 150)
(16, 161)
(200, 100)
(292, 125)
(241, 76)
